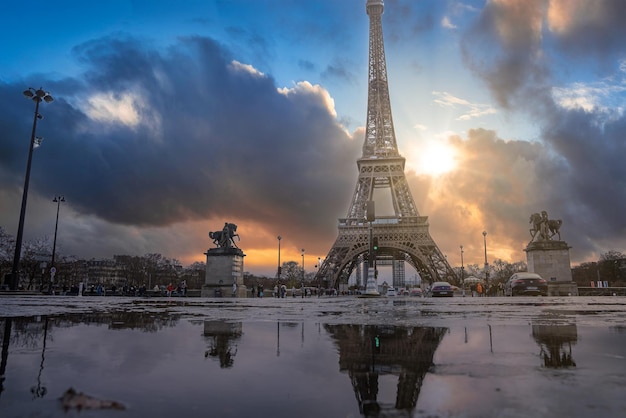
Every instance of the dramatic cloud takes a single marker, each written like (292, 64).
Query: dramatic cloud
(151, 139)
(580, 175)
(154, 146)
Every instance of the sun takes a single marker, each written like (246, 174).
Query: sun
(436, 159)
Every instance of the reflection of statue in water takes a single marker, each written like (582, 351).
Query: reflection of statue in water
(556, 342)
(221, 349)
(226, 237)
(223, 337)
(543, 229)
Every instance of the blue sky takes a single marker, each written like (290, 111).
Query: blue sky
(171, 118)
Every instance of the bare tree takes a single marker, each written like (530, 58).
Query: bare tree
(35, 262)
(7, 250)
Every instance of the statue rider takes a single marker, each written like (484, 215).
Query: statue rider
(544, 227)
(225, 243)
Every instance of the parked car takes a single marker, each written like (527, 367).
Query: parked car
(391, 291)
(441, 289)
(416, 291)
(526, 284)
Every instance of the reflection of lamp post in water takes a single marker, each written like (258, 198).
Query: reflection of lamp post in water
(6, 338)
(277, 339)
(40, 391)
(486, 264)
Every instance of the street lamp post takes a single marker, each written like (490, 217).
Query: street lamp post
(462, 274)
(279, 269)
(319, 279)
(303, 273)
(486, 263)
(37, 96)
(57, 200)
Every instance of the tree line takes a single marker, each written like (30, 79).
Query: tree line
(157, 270)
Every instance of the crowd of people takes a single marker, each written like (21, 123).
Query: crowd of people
(127, 290)
(479, 290)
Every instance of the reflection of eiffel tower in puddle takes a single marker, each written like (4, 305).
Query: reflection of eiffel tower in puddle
(403, 236)
(552, 340)
(367, 352)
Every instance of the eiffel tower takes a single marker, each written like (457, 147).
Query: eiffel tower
(403, 237)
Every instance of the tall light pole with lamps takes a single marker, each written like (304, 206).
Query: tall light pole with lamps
(303, 272)
(57, 200)
(319, 287)
(462, 274)
(486, 263)
(279, 269)
(37, 96)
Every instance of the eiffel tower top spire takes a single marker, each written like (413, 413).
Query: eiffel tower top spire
(380, 138)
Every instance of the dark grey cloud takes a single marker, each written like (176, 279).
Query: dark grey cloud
(425, 16)
(339, 72)
(213, 141)
(597, 30)
(502, 48)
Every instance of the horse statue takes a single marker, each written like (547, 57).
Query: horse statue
(225, 237)
(543, 229)
(555, 225)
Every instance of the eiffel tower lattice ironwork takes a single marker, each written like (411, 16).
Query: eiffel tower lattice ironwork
(403, 236)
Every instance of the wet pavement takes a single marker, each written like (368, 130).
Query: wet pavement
(314, 357)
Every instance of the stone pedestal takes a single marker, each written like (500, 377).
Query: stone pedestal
(224, 266)
(550, 259)
(371, 289)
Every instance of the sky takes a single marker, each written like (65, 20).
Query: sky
(171, 118)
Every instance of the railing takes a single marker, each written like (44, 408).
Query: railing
(601, 291)
(384, 220)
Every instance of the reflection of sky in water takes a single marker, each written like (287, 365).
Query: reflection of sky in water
(307, 369)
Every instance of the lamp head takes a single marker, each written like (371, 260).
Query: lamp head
(38, 95)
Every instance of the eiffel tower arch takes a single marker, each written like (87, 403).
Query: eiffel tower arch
(403, 236)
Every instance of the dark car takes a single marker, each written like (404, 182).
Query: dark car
(441, 289)
(526, 284)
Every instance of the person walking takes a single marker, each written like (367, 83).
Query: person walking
(170, 289)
